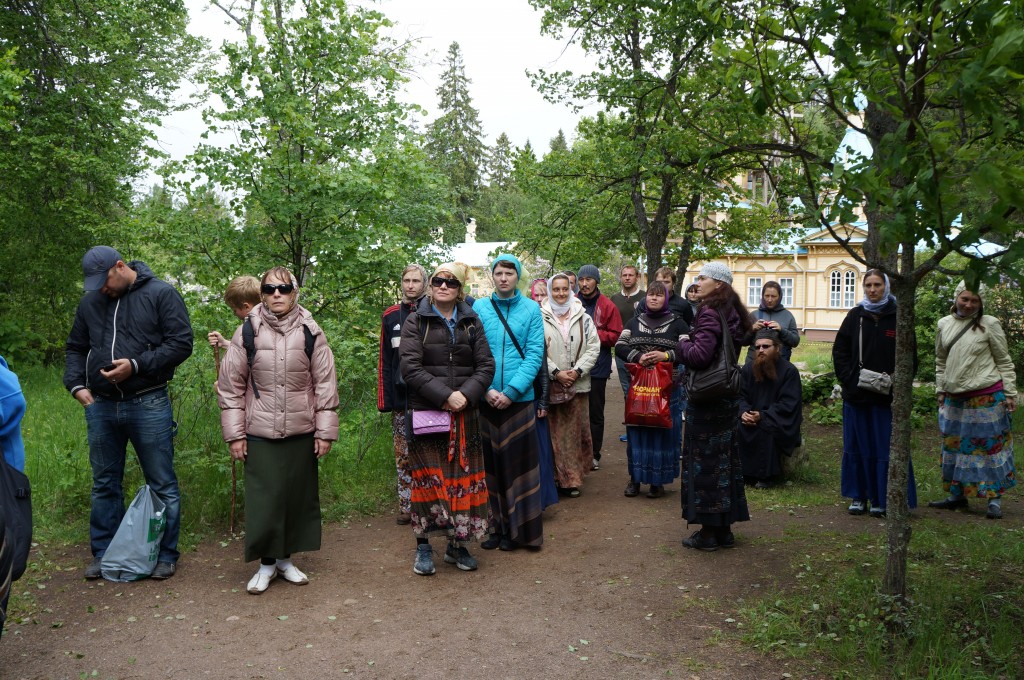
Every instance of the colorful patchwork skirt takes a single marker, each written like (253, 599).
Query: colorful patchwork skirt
(977, 445)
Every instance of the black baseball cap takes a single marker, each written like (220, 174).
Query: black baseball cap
(95, 265)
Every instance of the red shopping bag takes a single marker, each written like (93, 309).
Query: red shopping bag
(650, 390)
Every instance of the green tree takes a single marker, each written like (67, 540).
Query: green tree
(323, 176)
(672, 135)
(455, 138)
(558, 142)
(499, 166)
(100, 74)
(940, 89)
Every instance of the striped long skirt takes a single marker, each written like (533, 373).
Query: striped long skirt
(977, 445)
(711, 484)
(513, 472)
(448, 491)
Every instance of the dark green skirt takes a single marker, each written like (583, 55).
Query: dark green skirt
(282, 498)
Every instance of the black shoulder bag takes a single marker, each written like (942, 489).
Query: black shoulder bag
(719, 380)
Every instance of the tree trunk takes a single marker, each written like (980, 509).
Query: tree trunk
(686, 247)
(897, 522)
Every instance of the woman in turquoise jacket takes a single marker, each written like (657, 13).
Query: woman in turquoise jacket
(515, 332)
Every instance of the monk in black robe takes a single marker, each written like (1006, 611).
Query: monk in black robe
(770, 411)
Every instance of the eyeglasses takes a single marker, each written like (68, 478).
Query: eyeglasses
(283, 288)
(439, 281)
(763, 348)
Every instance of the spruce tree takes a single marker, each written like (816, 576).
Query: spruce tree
(454, 140)
(499, 170)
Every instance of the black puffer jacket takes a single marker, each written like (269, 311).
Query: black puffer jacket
(434, 366)
(148, 325)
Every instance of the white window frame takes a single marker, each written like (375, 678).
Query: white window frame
(754, 284)
(835, 289)
(849, 288)
(786, 284)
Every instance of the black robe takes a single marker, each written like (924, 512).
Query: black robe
(780, 404)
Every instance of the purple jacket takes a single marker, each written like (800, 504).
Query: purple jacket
(706, 335)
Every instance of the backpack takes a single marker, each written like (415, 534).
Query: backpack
(16, 499)
(249, 343)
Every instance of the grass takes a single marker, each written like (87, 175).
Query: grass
(816, 356)
(357, 477)
(965, 605)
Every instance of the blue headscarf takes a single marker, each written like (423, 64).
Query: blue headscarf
(883, 304)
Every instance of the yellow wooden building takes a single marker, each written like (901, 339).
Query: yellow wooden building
(820, 281)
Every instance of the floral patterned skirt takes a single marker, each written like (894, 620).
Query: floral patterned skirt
(571, 442)
(977, 446)
(448, 491)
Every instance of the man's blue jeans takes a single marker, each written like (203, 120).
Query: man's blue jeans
(146, 421)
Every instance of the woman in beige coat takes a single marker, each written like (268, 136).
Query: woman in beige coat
(977, 394)
(573, 347)
(278, 415)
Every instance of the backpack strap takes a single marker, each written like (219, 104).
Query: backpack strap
(310, 342)
(249, 343)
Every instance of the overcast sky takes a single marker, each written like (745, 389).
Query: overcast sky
(500, 40)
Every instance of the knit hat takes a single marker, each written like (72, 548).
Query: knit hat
(589, 271)
(511, 259)
(716, 271)
(95, 265)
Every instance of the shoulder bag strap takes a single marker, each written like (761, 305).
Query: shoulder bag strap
(508, 330)
(860, 342)
(727, 347)
(959, 335)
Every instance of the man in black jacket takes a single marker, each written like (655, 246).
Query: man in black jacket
(131, 331)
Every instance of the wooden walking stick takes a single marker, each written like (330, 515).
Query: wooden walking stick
(234, 472)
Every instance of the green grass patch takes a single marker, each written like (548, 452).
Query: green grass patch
(965, 606)
(815, 356)
(357, 476)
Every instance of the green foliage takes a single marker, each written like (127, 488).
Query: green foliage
(662, 156)
(818, 388)
(100, 73)
(325, 176)
(455, 138)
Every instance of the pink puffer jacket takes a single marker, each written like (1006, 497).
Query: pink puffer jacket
(297, 395)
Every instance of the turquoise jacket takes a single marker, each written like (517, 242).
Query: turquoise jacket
(513, 374)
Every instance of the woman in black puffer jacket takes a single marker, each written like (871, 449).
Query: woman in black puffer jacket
(447, 366)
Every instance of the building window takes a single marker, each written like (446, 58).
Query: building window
(754, 291)
(850, 289)
(842, 289)
(786, 285)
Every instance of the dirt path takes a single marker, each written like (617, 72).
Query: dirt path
(612, 595)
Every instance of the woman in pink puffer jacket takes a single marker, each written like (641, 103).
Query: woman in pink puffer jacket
(279, 417)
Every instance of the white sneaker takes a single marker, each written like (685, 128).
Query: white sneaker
(260, 582)
(856, 508)
(596, 465)
(293, 575)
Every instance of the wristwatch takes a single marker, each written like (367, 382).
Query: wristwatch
(554, 374)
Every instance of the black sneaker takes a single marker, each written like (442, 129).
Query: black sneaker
(93, 571)
(491, 543)
(725, 539)
(164, 570)
(460, 557)
(632, 489)
(701, 542)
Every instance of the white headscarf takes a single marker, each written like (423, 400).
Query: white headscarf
(558, 309)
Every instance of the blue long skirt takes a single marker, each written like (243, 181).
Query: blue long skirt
(867, 433)
(548, 491)
(653, 452)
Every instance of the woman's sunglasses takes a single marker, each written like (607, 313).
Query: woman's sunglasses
(439, 281)
(283, 288)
